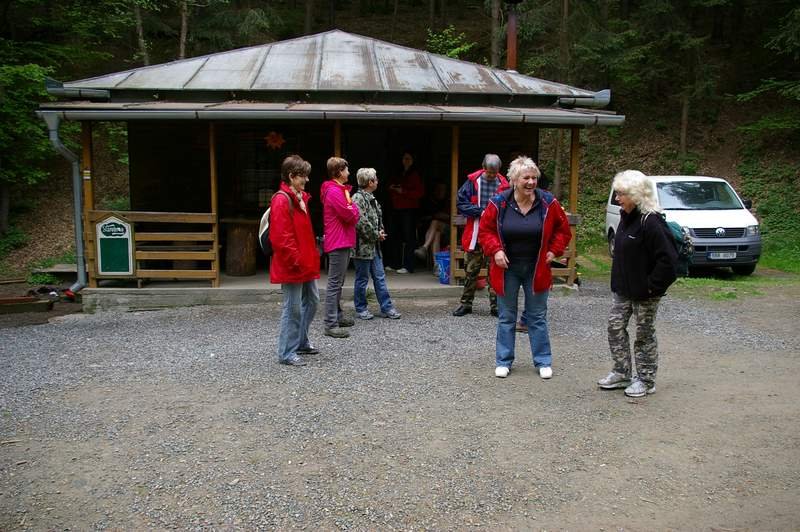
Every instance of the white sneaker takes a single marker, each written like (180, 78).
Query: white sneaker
(402, 271)
(545, 372)
(501, 371)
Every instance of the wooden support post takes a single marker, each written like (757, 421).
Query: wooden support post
(454, 140)
(574, 156)
(87, 156)
(212, 158)
(337, 138)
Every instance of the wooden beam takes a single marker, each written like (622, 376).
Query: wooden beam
(574, 157)
(177, 274)
(87, 156)
(175, 255)
(168, 217)
(167, 237)
(454, 141)
(337, 138)
(212, 161)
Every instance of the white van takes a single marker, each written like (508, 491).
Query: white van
(723, 230)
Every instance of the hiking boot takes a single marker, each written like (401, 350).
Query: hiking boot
(613, 381)
(293, 360)
(545, 372)
(364, 315)
(501, 372)
(310, 350)
(344, 321)
(639, 389)
(391, 314)
(336, 332)
(462, 310)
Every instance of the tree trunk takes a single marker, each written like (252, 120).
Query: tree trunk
(431, 14)
(5, 202)
(184, 29)
(137, 11)
(332, 13)
(443, 12)
(309, 17)
(394, 19)
(563, 42)
(684, 120)
(556, 186)
(496, 36)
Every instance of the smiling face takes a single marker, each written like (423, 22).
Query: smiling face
(526, 182)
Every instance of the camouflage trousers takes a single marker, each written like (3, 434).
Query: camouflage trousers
(645, 347)
(474, 261)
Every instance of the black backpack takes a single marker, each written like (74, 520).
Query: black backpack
(682, 241)
(263, 226)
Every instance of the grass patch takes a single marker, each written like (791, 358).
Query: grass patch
(12, 239)
(722, 285)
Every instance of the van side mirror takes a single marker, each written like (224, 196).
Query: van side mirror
(748, 204)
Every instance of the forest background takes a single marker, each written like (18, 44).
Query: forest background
(708, 87)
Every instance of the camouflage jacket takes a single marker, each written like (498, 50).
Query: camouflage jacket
(369, 225)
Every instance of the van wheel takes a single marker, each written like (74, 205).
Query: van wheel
(611, 243)
(744, 269)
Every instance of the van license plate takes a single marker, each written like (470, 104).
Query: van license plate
(722, 255)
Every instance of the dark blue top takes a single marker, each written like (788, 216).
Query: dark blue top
(522, 234)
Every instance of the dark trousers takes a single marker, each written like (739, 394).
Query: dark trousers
(402, 240)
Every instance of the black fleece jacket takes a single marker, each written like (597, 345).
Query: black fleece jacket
(644, 256)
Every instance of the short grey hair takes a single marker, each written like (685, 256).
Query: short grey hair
(365, 175)
(521, 164)
(639, 188)
(492, 162)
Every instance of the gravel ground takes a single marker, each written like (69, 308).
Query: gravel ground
(182, 418)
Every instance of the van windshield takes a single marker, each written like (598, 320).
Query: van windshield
(697, 195)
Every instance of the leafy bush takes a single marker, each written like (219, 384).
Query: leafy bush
(12, 239)
(449, 42)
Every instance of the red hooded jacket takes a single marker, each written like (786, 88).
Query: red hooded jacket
(295, 258)
(556, 235)
(468, 203)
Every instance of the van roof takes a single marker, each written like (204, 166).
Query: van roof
(673, 178)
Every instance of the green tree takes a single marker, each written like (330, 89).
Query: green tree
(23, 137)
(449, 42)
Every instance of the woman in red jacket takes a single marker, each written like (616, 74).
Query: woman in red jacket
(295, 261)
(405, 192)
(522, 230)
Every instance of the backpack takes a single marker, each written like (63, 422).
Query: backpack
(263, 226)
(682, 241)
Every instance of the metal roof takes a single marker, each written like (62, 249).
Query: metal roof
(246, 110)
(331, 61)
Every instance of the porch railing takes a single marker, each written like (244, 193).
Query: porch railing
(166, 245)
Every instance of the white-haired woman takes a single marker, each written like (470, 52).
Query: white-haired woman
(523, 229)
(642, 269)
(368, 258)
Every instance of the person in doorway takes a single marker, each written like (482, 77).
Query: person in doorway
(473, 197)
(523, 230)
(339, 218)
(405, 192)
(295, 261)
(438, 217)
(368, 258)
(642, 269)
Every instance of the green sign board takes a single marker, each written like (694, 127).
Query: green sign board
(114, 247)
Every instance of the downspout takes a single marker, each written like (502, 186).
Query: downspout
(53, 121)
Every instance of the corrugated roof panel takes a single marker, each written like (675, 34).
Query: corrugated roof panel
(460, 76)
(526, 84)
(348, 64)
(168, 76)
(101, 82)
(290, 65)
(406, 69)
(231, 69)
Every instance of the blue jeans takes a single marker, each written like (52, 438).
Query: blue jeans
(365, 269)
(300, 301)
(521, 276)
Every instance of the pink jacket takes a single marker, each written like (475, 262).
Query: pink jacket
(339, 216)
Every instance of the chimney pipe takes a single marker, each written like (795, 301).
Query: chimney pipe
(511, 35)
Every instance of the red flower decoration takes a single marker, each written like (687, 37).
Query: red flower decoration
(274, 140)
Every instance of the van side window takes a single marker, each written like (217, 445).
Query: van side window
(613, 200)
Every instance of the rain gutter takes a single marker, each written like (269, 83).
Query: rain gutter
(576, 119)
(52, 120)
(598, 100)
(56, 88)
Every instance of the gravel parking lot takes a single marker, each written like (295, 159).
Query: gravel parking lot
(182, 418)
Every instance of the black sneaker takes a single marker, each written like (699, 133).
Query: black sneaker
(493, 312)
(310, 350)
(294, 360)
(462, 310)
